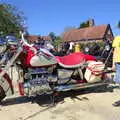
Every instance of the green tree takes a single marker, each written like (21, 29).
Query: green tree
(52, 36)
(11, 20)
(58, 41)
(84, 24)
(89, 23)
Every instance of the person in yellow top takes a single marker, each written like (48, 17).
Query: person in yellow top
(77, 47)
(116, 58)
(116, 63)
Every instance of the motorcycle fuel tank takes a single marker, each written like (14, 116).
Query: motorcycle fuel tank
(40, 59)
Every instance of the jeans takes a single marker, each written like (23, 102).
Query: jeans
(117, 76)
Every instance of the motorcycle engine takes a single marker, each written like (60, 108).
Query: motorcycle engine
(38, 80)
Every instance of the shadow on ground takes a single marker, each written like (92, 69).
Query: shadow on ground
(15, 100)
(46, 100)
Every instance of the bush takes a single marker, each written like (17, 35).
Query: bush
(91, 44)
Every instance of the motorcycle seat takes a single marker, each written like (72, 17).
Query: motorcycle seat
(73, 60)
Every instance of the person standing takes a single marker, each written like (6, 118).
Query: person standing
(116, 58)
(71, 47)
(116, 62)
(77, 47)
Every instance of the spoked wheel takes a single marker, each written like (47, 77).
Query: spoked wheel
(2, 94)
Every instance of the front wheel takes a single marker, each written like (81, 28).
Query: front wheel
(2, 94)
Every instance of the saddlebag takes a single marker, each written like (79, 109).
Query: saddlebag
(94, 71)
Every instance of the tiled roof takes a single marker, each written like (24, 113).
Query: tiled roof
(32, 38)
(35, 38)
(95, 32)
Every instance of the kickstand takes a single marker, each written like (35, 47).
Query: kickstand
(52, 99)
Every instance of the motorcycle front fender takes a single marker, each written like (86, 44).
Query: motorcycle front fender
(6, 84)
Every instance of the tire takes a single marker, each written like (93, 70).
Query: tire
(2, 94)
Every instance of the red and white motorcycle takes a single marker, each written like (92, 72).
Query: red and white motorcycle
(40, 72)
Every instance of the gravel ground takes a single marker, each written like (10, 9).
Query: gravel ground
(90, 104)
(87, 104)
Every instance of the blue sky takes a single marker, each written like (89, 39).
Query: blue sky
(46, 16)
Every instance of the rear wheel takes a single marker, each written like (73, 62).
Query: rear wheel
(2, 94)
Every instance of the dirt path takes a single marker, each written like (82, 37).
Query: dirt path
(86, 105)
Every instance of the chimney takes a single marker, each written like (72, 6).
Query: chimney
(91, 22)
